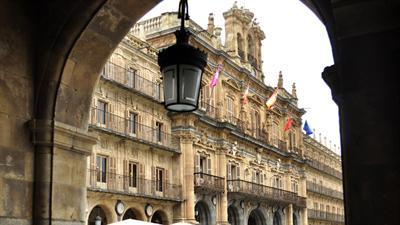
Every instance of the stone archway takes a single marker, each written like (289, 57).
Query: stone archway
(132, 213)
(159, 217)
(233, 215)
(256, 217)
(202, 213)
(98, 214)
(277, 219)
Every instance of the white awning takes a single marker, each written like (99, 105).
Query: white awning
(133, 222)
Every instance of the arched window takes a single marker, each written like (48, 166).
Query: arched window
(239, 40)
(250, 51)
(255, 122)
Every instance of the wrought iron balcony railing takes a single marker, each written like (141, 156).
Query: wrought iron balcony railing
(321, 215)
(132, 129)
(325, 168)
(262, 191)
(123, 184)
(317, 188)
(208, 182)
(208, 109)
(130, 79)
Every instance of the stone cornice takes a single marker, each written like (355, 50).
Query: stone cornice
(49, 133)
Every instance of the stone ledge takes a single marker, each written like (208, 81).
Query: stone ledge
(57, 134)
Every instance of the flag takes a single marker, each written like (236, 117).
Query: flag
(272, 99)
(244, 97)
(214, 79)
(307, 128)
(288, 124)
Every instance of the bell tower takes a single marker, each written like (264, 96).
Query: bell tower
(243, 37)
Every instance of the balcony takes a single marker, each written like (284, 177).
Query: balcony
(259, 191)
(208, 183)
(121, 184)
(325, 168)
(282, 145)
(128, 78)
(133, 130)
(208, 109)
(317, 188)
(321, 215)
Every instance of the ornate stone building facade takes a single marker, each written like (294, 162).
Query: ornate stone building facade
(230, 161)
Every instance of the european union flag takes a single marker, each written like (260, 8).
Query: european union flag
(307, 128)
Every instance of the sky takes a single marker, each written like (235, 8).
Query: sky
(296, 43)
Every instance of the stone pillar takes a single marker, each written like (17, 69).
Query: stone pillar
(303, 216)
(60, 172)
(222, 206)
(188, 178)
(289, 214)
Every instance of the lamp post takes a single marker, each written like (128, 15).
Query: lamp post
(182, 67)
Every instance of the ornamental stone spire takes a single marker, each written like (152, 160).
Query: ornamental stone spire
(280, 80)
(294, 91)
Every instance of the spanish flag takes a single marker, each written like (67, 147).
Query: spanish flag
(288, 124)
(272, 99)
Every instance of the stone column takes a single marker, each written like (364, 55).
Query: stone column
(60, 172)
(289, 214)
(222, 206)
(188, 178)
(304, 216)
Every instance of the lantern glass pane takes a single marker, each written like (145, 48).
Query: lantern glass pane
(170, 84)
(189, 83)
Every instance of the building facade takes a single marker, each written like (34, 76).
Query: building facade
(229, 162)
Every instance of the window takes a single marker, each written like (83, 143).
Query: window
(132, 174)
(255, 121)
(203, 165)
(257, 177)
(295, 186)
(130, 78)
(101, 169)
(277, 182)
(101, 112)
(234, 170)
(159, 131)
(292, 140)
(132, 123)
(229, 109)
(315, 206)
(159, 179)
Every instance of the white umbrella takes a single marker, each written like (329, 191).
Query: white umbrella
(181, 223)
(133, 222)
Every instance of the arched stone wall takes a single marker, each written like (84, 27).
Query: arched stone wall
(205, 202)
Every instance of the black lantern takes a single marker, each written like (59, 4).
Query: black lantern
(182, 68)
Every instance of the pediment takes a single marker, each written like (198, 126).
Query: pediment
(256, 99)
(231, 84)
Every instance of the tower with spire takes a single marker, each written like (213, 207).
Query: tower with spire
(243, 37)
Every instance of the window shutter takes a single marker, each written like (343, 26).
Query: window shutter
(229, 172)
(237, 172)
(92, 169)
(111, 173)
(261, 178)
(197, 161)
(126, 174)
(142, 174)
(167, 186)
(209, 165)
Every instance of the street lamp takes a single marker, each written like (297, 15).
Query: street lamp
(182, 67)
